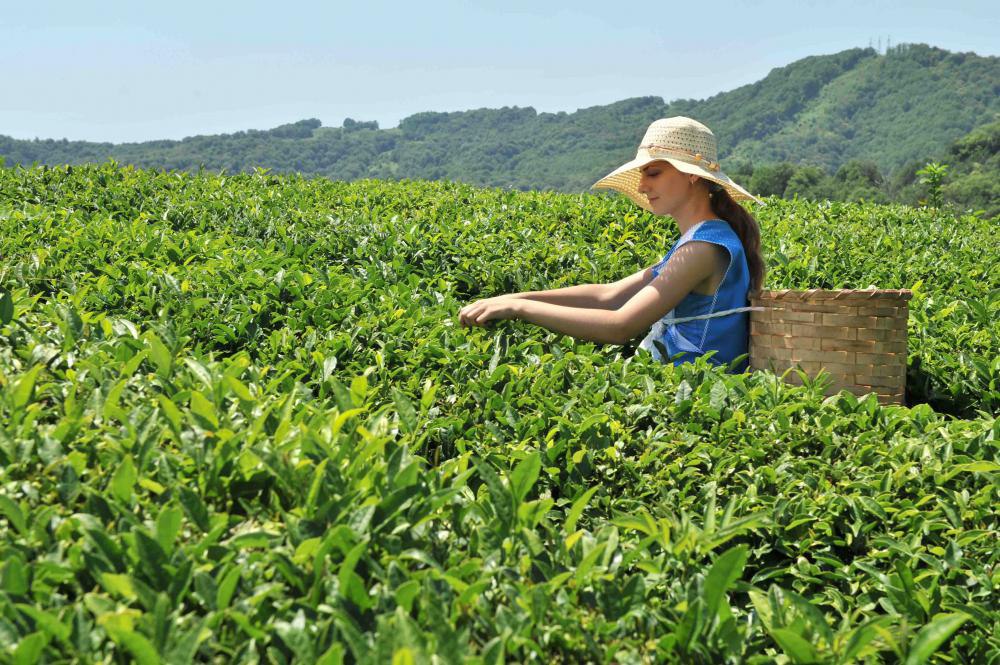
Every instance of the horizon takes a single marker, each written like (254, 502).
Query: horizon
(325, 125)
(125, 74)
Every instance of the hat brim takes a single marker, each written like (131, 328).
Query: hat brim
(625, 179)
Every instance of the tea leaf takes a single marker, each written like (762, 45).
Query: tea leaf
(6, 308)
(932, 636)
(577, 509)
(14, 514)
(725, 570)
(523, 478)
(124, 479)
(794, 645)
(24, 388)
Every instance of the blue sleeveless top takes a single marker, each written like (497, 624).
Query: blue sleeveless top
(728, 334)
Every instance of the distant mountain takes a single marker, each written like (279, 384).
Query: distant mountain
(888, 109)
(892, 110)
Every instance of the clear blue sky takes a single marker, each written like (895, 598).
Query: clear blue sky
(132, 71)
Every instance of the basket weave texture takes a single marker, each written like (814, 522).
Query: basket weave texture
(857, 336)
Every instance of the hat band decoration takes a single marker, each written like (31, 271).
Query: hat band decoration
(685, 155)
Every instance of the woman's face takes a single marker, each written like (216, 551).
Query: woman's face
(664, 186)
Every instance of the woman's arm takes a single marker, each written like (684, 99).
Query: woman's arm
(582, 295)
(690, 265)
(618, 293)
(598, 296)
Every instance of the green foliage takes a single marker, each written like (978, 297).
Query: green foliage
(933, 175)
(772, 179)
(809, 182)
(351, 125)
(971, 183)
(859, 181)
(974, 182)
(239, 422)
(303, 129)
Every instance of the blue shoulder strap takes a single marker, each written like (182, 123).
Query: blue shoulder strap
(693, 234)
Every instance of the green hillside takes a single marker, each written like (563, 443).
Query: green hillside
(239, 423)
(890, 110)
(909, 104)
(975, 170)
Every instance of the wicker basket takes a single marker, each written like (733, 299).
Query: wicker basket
(858, 336)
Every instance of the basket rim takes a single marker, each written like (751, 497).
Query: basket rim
(832, 294)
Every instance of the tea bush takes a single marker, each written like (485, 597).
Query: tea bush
(240, 423)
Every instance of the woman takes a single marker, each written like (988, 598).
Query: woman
(696, 298)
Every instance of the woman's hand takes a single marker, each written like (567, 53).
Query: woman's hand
(489, 309)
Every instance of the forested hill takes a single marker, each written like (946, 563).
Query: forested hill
(891, 109)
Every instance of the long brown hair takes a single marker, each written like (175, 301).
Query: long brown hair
(745, 226)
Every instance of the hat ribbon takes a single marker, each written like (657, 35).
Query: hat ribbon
(683, 155)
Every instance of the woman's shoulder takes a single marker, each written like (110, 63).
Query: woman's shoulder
(714, 225)
(717, 230)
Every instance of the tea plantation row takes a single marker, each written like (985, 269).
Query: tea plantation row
(240, 423)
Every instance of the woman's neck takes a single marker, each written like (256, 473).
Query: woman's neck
(698, 210)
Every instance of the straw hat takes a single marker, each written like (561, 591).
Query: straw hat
(687, 144)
